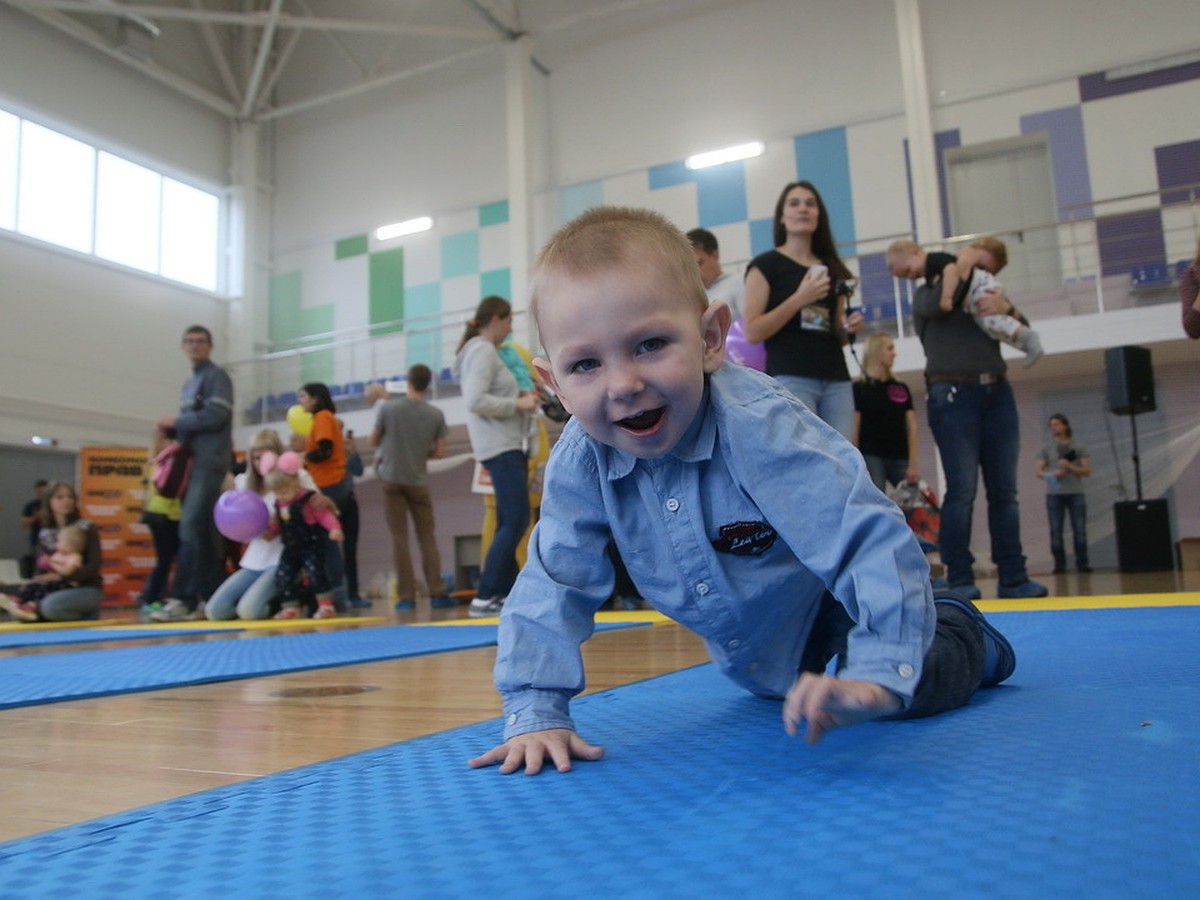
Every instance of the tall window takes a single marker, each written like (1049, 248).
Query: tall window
(66, 192)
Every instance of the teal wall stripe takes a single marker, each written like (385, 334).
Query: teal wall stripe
(822, 157)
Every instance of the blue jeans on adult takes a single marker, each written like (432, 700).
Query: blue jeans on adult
(246, 594)
(199, 568)
(832, 401)
(1057, 507)
(510, 480)
(886, 470)
(976, 428)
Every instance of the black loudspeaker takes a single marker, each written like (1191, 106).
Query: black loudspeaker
(1143, 536)
(1130, 380)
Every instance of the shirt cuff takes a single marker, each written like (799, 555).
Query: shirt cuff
(535, 710)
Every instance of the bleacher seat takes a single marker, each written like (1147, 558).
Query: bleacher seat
(1151, 275)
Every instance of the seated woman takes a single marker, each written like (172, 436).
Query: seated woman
(81, 600)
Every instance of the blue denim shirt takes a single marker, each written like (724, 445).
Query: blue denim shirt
(736, 534)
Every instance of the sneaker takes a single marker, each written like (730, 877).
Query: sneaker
(442, 602)
(482, 607)
(1084, 570)
(1025, 590)
(325, 611)
(359, 603)
(173, 611)
(288, 612)
(999, 659)
(404, 605)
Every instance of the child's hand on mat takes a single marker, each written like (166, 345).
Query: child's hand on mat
(826, 703)
(561, 745)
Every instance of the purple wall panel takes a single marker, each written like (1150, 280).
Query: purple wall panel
(1097, 87)
(1068, 159)
(1178, 166)
(1130, 240)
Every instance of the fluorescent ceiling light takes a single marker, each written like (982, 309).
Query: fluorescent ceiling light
(399, 229)
(729, 154)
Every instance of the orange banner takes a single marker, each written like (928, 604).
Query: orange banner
(111, 495)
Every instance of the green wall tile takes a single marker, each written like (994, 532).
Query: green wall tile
(284, 307)
(460, 254)
(386, 303)
(498, 282)
(351, 246)
(493, 214)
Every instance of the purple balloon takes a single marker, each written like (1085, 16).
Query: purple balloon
(241, 515)
(741, 351)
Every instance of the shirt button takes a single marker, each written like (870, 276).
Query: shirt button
(702, 588)
(673, 505)
(512, 719)
(734, 644)
(905, 670)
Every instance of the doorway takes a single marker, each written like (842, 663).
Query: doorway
(1006, 188)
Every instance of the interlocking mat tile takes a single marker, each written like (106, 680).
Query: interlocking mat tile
(28, 680)
(1078, 778)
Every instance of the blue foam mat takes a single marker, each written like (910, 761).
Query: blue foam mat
(1079, 778)
(29, 680)
(9, 639)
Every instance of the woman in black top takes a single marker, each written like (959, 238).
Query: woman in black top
(885, 425)
(795, 302)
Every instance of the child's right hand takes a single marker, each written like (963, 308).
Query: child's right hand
(561, 745)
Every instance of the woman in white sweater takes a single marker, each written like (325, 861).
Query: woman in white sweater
(496, 427)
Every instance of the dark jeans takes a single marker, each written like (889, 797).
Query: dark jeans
(350, 527)
(200, 567)
(165, 533)
(886, 470)
(976, 429)
(953, 664)
(1057, 507)
(342, 495)
(510, 480)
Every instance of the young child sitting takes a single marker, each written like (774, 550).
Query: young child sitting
(978, 264)
(737, 512)
(62, 565)
(304, 526)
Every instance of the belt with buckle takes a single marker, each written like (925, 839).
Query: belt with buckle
(984, 378)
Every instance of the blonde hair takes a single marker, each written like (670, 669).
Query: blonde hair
(267, 439)
(996, 247)
(872, 353)
(902, 246)
(604, 238)
(278, 478)
(76, 538)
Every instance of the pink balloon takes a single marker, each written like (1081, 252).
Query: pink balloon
(241, 515)
(742, 352)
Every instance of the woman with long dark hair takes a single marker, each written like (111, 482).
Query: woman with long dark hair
(496, 428)
(60, 508)
(796, 303)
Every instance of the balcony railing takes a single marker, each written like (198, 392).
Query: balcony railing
(1112, 254)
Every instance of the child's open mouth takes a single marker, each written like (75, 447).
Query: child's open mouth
(643, 421)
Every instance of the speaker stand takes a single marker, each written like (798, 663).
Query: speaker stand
(1137, 460)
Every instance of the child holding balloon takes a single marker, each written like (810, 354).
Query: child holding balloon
(243, 515)
(306, 528)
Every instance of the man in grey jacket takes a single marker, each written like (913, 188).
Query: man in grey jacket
(204, 426)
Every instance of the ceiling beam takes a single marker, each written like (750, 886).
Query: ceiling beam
(257, 19)
(82, 33)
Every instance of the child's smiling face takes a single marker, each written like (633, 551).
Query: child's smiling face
(628, 350)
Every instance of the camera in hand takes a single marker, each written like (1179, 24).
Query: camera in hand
(846, 288)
